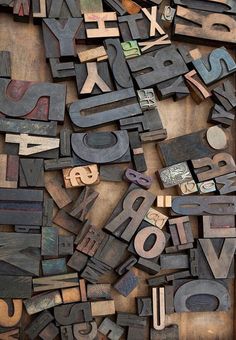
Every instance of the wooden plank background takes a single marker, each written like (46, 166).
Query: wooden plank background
(28, 63)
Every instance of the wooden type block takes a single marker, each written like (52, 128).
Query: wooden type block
(73, 313)
(158, 68)
(103, 308)
(193, 24)
(50, 332)
(158, 307)
(59, 37)
(63, 9)
(189, 55)
(216, 258)
(174, 175)
(126, 284)
(91, 6)
(15, 287)
(164, 201)
(55, 282)
(111, 173)
(204, 205)
(21, 10)
(127, 265)
(41, 302)
(181, 231)
(61, 71)
(39, 10)
(218, 115)
(6, 5)
(38, 324)
(49, 241)
(144, 306)
(118, 64)
(78, 261)
(147, 99)
(11, 312)
(83, 290)
(176, 261)
(65, 145)
(219, 226)
(148, 266)
(70, 295)
(149, 120)
(28, 126)
(136, 333)
(218, 6)
(86, 330)
(226, 184)
(202, 296)
(167, 16)
(153, 136)
(9, 171)
(152, 45)
(136, 177)
(47, 212)
(57, 192)
(58, 163)
(137, 151)
(157, 281)
(216, 66)
(91, 241)
(177, 276)
(187, 188)
(97, 110)
(130, 320)
(130, 49)
(99, 291)
(5, 64)
(197, 89)
(84, 204)
(28, 229)
(207, 168)
(134, 27)
(224, 95)
(116, 6)
(117, 223)
(101, 25)
(30, 100)
(206, 187)
(111, 329)
(31, 173)
(81, 176)
(10, 335)
(175, 88)
(26, 206)
(54, 266)
(187, 147)
(66, 333)
(93, 78)
(93, 54)
(65, 245)
(67, 222)
(170, 332)
(169, 299)
(94, 269)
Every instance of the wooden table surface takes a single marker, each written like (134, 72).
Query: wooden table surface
(25, 43)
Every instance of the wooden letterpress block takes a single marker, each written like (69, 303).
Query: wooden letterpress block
(158, 305)
(111, 173)
(10, 335)
(197, 89)
(5, 64)
(135, 333)
(144, 305)
(27, 229)
(55, 282)
(101, 147)
(135, 177)
(30, 100)
(90, 241)
(170, 332)
(54, 267)
(130, 49)
(38, 324)
(156, 218)
(58, 163)
(94, 269)
(42, 302)
(50, 332)
(147, 99)
(93, 54)
(116, 6)
(106, 23)
(175, 174)
(187, 188)
(93, 78)
(137, 151)
(206, 187)
(224, 95)
(88, 329)
(9, 171)
(66, 333)
(98, 110)
(47, 212)
(61, 71)
(78, 261)
(81, 176)
(201, 302)
(65, 145)
(70, 295)
(175, 88)
(118, 64)
(49, 241)
(219, 115)
(133, 27)
(99, 291)
(167, 16)
(67, 222)
(39, 10)
(226, 184)
(31, 173)
(111, 329)
(217, 65)
(84, 203)
(127, 265)
(157, 281)
(7, 318)
(91, 6)
(164, 201)
(149, 120)
(63, 9)
(169, 261)
(83, 290)
(219, 226)
(193, 24)
(181, 231)
(117, 223)
(103, 308)
(228, 7)
(65, 245)
(153, 136)
(159, 69)
(152, 45)
(57, 192)
(126, 284)
(73, 313)
(15, 287)
(21, 10)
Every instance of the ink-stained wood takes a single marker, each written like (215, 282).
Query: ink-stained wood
(175, 261)
(49, 332)
(158, 308)
(28, 126)
(21, 10)
(27, 229)
(15, 287)
(5, 64)
(116, 5)
(219, 6)
(9, 171)
(70, 295)
(127, 283)
(167, 16)
(126, 265)
(175, 88)
(188, 188)
(10, 335)
(38, 10)
(81, 176)
(58, 163)
(67, 222)
(111, 173)
(65, 245)
(136, 177)
(218, 115)
(147, 99)
(224, 94)
(7, 318)
(101, 25)
(144, 306)
(91, 6)
(156, 218)
(55, 189)
(38, 324)
(91, 241)
(170, 332)
(66, 333)
(62, 71)
(31, 100)
(85, 330)
(41, 302)
(111, 329)
(93, 54)
(83, 204)
(73, 313)
(103, 308)
(55, 282)
(31, 173)
(130, 319)
(174, 175)
(54, 266)
(63, 9)
(226, 184)
(152, 45)
(137, 151)
(94, 269)
(99, 291)
(47, 212)
(181, 231)
(153, 136)
(78, 261)
(49, 241)
(219, 226)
